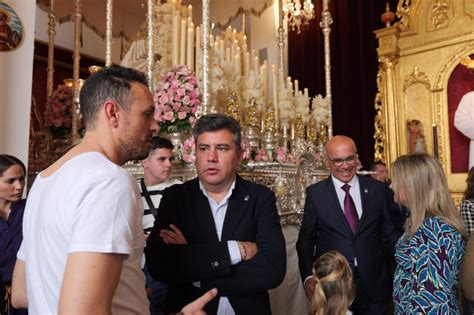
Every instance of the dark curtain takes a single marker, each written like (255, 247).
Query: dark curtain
(354, 66)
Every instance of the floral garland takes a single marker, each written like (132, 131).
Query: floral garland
(177, 98)
(57, 115)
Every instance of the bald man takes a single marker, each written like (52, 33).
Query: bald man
(348, 214)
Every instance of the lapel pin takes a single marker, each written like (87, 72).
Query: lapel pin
(246, 198)
(366, 190)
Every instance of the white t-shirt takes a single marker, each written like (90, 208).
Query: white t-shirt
(89, 205)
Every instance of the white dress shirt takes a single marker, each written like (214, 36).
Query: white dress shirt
(354, 191)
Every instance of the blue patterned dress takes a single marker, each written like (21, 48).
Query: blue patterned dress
(428, 264)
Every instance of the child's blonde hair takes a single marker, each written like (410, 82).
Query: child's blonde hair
(334, 290)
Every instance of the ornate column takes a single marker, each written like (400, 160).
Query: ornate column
(386, 98)
(205, 60)
(75, 73)
(325, 24)
(108, 32)
(150, 56)
(51, 35)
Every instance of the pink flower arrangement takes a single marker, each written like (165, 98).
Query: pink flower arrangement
(177, 98)
(57, 115)
(189, 150)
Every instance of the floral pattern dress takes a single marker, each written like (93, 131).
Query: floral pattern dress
(428, 264)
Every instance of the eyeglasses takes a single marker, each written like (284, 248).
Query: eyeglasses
(350, 160)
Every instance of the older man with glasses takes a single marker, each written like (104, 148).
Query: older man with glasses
(348, 213)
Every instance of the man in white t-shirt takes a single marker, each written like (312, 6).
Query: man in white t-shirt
(82, 233)
(156, 177)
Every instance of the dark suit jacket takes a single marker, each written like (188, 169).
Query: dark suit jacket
(251, 216)
(325, 228)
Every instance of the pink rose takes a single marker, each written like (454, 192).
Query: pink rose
(181, 92)
(281, 154)
(181, 115)
(169, 116)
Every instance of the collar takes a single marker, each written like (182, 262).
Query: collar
(338, 184)
(229, 193)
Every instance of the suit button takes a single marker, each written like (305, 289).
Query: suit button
(215, 264)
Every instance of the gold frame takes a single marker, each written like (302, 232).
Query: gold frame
(417, 56)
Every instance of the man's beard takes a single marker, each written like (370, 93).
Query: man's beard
(132, 150)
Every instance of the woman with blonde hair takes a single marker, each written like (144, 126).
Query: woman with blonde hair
(430, 252)
(333, 292)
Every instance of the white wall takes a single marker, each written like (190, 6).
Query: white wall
(16, 71)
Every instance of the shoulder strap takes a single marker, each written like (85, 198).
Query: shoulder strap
(146, 194)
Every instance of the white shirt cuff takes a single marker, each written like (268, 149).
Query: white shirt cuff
(234, 252)
(305, 280)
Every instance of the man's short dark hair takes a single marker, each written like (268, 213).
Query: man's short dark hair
(112, 83)
(159, 143)
(374, 165)
(216, 122)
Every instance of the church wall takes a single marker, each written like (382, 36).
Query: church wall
(15, 87)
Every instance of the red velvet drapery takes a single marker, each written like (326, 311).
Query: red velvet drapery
(353, 66)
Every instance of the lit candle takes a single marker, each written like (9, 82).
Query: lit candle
(256, 64)
(190, 51)
(182, 46)
(246, 64)
(190, 12)
(435, 141)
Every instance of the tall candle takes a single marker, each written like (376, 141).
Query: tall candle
(198, 44)
(255, 64)
(190, 12)
(246, 64)
(175, 40)
(221, 50)
(190, 47)
(237, 64)
(264, 71)
(297, 86)
(182, 46)
(227, 54)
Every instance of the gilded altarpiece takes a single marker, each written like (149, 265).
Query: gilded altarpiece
(419, 81)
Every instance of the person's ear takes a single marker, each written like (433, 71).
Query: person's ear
(111, 110)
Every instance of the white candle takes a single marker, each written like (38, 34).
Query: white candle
(221, 50)
(175, 41)
(190, 47)
(182, 46)
(237, 64)
(246, 64)
(198, 47)
(233, 48)
(264, 73)
(296, 87)
(190, 12)
(256, 64)
(227, 54)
